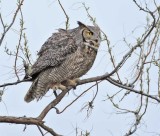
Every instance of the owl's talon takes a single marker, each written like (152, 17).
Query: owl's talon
(55, 94)
(58, 86)
(72, 82)
(62, 87)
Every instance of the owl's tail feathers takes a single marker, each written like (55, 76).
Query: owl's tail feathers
(31, 92)
(35, 91)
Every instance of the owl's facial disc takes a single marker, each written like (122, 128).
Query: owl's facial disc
(90, 39)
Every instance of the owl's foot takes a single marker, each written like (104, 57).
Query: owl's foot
(56, 87)
(59, 86)
(72, 82)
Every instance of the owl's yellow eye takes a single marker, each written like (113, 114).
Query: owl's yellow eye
(89, 33)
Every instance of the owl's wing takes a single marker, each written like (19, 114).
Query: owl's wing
(53, 52)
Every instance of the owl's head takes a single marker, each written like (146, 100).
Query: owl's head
(90, 34)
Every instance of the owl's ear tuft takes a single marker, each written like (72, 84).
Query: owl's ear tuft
(81, 24)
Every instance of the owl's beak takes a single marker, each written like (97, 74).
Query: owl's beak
(95, 43)
(92, 45)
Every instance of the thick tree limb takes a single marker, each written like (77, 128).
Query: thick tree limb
(27, 121)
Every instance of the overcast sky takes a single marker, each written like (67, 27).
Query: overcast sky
(42, 17)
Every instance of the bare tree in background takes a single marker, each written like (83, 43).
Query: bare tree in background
(145, 53)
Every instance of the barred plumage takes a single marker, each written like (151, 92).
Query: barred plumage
(65, 56)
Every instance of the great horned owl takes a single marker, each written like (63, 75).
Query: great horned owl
(63, 58)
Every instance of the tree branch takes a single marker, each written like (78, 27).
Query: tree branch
(27, 121)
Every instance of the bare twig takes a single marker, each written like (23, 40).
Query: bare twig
(59, 112)
(40, 130)
(15, 83)
(7, 28)
(19, 44)
(131, 89)
(67, 17)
